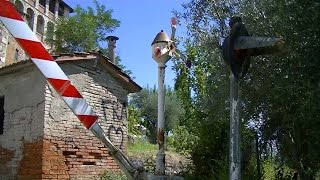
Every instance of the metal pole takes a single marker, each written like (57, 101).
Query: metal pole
(160, 160)
(124, 164)
(234, 149)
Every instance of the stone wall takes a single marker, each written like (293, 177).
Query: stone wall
(23, 91)
(14, 52)
(4, 35)
(71, 151)
(10, 50)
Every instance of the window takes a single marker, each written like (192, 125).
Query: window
(52, 5)
(40, 25)
(16, 55)
(30, 18)
(19, 7)
(50, 30)
(1, 114)
(42, 3)
(61, 9)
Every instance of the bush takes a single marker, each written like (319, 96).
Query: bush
(112, 175)
(273, 170)
(181, 140)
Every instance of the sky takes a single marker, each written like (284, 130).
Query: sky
(140, 21)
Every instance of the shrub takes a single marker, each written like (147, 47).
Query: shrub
(181, 140)
(112, 175)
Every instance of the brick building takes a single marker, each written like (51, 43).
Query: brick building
(40, 137)
(40, 15)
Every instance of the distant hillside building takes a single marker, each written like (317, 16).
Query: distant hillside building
(40, 15)
(40, 137)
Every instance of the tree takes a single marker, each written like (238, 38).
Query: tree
(289, 97)
(204, 93)
(118, 62)
(84, 30)
(147, 101)
(134, 119)
(281, 93)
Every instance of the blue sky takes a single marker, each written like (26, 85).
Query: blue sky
(140, 22)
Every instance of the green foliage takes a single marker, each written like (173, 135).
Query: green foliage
(123, 67)
(280, 92)
(273, 170)
(111, 175)
(269, 170)
(134, 119)
(142, 146)
(181, 140)
(317, 175)
(147, 101)
(118, 62)
(287, 85)
(203, 90)
(84, 30)
(50, 34)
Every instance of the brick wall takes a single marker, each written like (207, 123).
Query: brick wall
(43, 139)
(76, 152)
(30, 166)
(6, 156)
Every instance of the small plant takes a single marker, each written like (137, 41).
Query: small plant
(182, 140)
(112, 175)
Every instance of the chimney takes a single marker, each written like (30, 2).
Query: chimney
(111, 47)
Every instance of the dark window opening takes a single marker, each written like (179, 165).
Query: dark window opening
(61, 9)
(52, 5)
(30, 17)
(19, 7)
(42, 3)
(40, 25)
(1, 114)
(50, 33)
(16, 55)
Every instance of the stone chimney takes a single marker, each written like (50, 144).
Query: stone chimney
(111, 47)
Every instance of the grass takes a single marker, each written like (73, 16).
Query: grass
(142, 146)
(145, 147)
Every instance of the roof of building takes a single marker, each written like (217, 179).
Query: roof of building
(70, 8)
(113, 69)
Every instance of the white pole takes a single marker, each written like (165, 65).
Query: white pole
(160, 159)
(234, 149)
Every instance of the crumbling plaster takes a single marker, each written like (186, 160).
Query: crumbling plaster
(24, 112)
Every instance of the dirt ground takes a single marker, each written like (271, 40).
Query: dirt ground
(176, 164)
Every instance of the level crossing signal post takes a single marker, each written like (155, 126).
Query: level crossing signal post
(237, 50)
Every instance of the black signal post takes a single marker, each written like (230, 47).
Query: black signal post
(237, 50)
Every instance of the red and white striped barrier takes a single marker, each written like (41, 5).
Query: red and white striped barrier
(10, 17)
